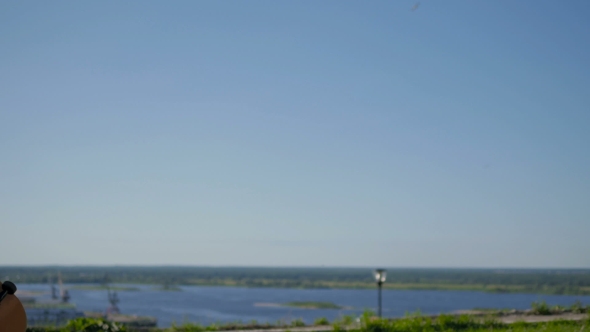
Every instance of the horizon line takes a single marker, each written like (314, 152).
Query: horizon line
(285, 267)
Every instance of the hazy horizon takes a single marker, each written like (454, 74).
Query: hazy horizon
(272, 133)
(368, 268)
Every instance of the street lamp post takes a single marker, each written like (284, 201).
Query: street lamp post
(380, 278)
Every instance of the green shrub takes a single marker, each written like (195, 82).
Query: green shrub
(93, 325)
(413, 323)
(345, 320)
(212, 327)
(557, 309)
(43, 329)
(379, 325)
(541, 308)
(340, 324)
(321, 321)
(187, 327)
(298, 322)
(416, 323)
(578, 308)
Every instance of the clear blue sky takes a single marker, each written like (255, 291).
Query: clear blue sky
(295, 133)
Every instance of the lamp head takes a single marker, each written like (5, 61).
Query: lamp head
(380, 275)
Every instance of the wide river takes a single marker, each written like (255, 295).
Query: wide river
(207, 305)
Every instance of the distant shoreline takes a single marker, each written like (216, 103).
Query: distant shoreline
(330, 285)
(531, 281)
(391, 286)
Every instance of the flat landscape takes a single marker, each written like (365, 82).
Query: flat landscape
(538, 281)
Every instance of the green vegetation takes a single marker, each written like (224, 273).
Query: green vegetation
(344, 320)
(541, 308)
(93, 325)
(537, 308)
(313, 305)
(297, 322)
(445, 323)
(253, 325)
(321, 321)
(83, 325)
(573, 282)
(368, 323)
(579, 308)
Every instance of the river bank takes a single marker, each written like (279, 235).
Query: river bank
(221, 305)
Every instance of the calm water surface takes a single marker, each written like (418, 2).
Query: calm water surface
(225, 304)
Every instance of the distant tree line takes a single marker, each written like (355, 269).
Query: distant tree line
(532, 281)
